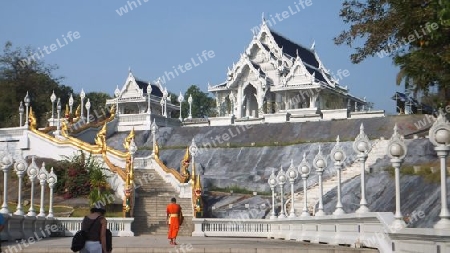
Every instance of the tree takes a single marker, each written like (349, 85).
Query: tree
(202, 105)
(415, 33)
(20, 73)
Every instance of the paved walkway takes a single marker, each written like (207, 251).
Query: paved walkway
(157, 244)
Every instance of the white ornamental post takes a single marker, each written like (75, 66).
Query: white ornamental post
(281, 178)
(21, 110)
(180, 100)
(32, 172)
(162, 106)
(82, 96)
(305, 169)
(190, 106)
(27, 105)
(362, 146)
(149, 93)
(51, 180)
(42, 176)
(165, 95)
(88, 108)
(58, 110)
(273, 183)
(5, 161)
(117, 94)
(154, 131)
(20, 167)
(320, 163)
(70, 103)
(440, 137)
(53, 99)
(396, 150)
(338, 157)
(292, 175)
(193, 149)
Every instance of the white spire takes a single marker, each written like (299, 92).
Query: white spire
(313, 46)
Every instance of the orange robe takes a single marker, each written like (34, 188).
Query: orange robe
(174, 213)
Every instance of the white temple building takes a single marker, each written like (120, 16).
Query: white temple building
(277, 80)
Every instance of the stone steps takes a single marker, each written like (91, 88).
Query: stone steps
(378, 151)
(152, 196)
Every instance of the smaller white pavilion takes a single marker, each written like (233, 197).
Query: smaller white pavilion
(139, 103)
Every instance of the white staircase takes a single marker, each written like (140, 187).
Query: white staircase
(378, 151)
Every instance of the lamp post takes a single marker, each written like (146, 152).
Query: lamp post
(149, 93)
(165, 95)
(51, 180)
(281, 178)
(42, 176)
(58, 110)
(320, 163)
(292, 175)
(117, 94)
(154, 131)
(88, 108)
(53, 99)
(180, 100)
(338, 157)
(190, 106)
(32, 172)
(396, 150)
(5, 161)
(193, 149)
(362, 146)
(70, 103)
(440, 137)
(20, 167)
(82, 96)
(128, 190)
(21, 110)
(27, 104)
(273, 183)
(305, 169)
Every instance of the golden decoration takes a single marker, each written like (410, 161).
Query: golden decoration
(127, 141)
(67, 111)
(100, 138)
(184, 167)
(32, 119)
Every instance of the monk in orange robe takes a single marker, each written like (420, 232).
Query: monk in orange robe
(173, 220)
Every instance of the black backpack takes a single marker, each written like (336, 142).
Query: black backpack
(108, 240)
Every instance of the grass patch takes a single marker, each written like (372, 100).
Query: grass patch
(111, 211)
(56, 208)
(235, 189)
(425, 172)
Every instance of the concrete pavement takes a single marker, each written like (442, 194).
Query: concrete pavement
(159, 244)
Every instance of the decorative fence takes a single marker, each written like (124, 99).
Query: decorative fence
(19, 227)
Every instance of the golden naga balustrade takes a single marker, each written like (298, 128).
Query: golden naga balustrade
(100, 148)
(184, 177)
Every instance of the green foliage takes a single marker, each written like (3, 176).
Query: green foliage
(202, 105)
(414, 33)
(36, 78)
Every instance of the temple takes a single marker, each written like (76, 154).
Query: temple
(139, 103)
(277, 80)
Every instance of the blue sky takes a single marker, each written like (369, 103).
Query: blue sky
(157, 35)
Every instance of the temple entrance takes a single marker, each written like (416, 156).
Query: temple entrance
(250, 105)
